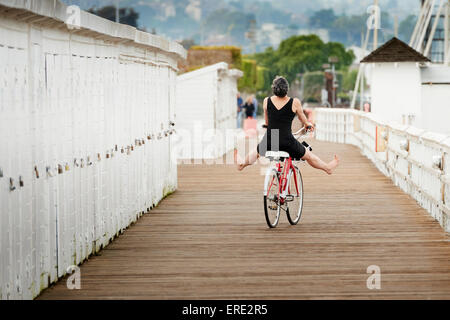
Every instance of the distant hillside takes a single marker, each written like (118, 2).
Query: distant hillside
(401, 7)
(257, 24)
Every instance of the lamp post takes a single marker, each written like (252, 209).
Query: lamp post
(325, 93)
(333, 60)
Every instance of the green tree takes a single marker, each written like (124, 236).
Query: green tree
(300, 54)
(248, 81)
(349, 80)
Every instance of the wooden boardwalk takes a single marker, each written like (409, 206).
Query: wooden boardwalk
(209, 240)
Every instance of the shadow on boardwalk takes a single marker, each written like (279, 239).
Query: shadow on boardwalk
(209, 240)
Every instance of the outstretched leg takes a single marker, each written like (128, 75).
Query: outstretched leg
(315, 162)
(249, 159)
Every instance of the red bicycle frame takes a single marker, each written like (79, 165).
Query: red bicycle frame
(284, 177)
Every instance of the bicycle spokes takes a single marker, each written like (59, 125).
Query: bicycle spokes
(272, 200)
(295, 197)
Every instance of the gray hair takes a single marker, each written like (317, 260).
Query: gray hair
(280, 86)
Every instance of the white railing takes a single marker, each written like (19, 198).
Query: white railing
(85, 138)
(417, 161)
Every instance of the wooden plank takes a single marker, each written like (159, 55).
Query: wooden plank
(209, 241)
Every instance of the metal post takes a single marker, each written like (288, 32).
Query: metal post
(333, 93)
(333, 60)
(360, 71)
(375, 31)
(396, 26)
(418, 25)
(420, 45)
(361, 102)
(447, 34)
(433, 29)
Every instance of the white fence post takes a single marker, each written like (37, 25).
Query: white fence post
(80, 113)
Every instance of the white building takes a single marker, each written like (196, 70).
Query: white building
(396, 82)
(408, 89)
(435, 82)
(206, 108)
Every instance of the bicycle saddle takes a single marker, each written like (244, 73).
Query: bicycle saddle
(277, 155)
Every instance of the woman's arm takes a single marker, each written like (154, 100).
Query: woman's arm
(301, 115)
(266, 117)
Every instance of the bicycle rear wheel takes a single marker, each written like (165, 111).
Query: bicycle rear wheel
(294, 199)
(272, 201)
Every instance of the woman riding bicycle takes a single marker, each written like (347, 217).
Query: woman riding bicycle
(279, 112)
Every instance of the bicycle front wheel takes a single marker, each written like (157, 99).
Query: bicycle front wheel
(272, 200)
(294, 199)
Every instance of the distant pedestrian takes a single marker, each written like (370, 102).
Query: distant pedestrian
(249, 108)
(255, 103)
(240, 104)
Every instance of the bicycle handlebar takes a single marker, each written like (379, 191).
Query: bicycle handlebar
(303, 131)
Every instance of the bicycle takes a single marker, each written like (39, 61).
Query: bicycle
(283, 186)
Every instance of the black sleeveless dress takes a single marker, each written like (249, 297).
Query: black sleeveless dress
(279, 132)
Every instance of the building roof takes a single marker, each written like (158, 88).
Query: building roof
(218, 67)
(395, 50)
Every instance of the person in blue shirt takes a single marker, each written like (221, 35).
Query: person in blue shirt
(249, 108)
(240, 103)
(255, 104)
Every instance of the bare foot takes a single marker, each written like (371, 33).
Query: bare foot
(241, 167)
(332, 165)
(238, 161)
